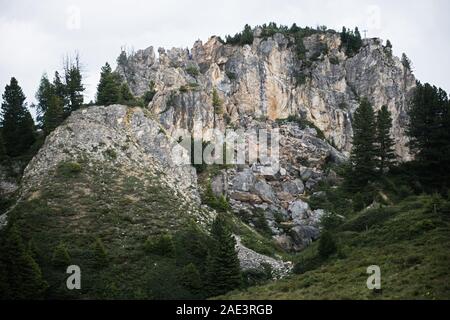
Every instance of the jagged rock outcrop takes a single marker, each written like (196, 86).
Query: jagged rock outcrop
(260, 81)
(258, 85)
(117, 134)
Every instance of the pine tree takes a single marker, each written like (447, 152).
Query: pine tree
(73, 84)
(126, 97)
(60, 89)
(388, 44)
(247, 35)
(17, 123)
(61, 257)
(385, 144)
(190, 279)
(54, 114)
(429, 132)
(327, 245)
(406, 62)
(45, 91)
(224, 273)
(108, 89)
(24, 275)
(362, 157)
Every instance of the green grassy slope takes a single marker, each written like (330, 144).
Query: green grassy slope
(78, 204)
(410, 242)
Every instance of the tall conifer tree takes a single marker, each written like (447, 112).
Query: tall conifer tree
(18, 125)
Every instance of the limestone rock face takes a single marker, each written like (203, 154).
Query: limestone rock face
(97, 132)
(259, 81)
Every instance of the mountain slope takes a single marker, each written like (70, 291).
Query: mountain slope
(410, 242)
(105, 175)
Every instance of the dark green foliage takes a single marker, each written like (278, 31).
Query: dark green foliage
(306, 264)
(217, 102)
(358, 202)
(330, 221)
(429, 132)
(388, 44)
(17, 124)
(351, 41)
(363, 152)
(45, 91)
(384, 142)
(61, 257)
(190, 279)
(231, 75)
(327, 245)
(161, 245)
(300, 78)
(59, 88)
(73, 84)
(334, 60)
(242, 38)
(68, 169)
(100, 254)
(108, 89)
(21, 275)
(149, 94)
(303, 124)
(191, 246)
(125, 95)
(219, 203)
(368, 219)
(54, 115)
(260, 222)
(122, 60)
(224, 273)
(163, 282)
(192, 71)
(406, 62)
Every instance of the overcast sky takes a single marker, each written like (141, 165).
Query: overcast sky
(35, 35)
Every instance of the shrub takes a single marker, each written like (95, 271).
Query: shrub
(216, 102)
(111, 153)
(190, 279)
(68, 169)
(351, 41)
(149, 94)
(327, 245)
(300, 78)
(61, 257)
(161, 245)
(330, 221)
(306, 264)
(218, 203)
(358, 202)
(231, 75)
(100, 254)
(192, 71)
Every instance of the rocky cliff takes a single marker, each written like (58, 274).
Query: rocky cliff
(258, 86)
(261, 81)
